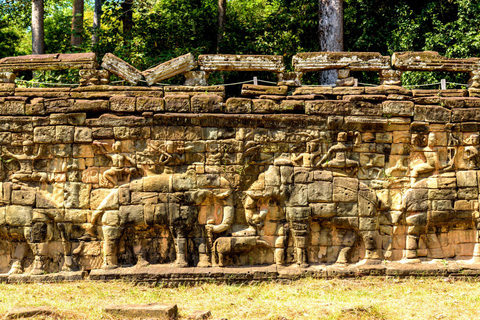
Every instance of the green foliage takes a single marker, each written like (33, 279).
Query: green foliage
(164, 29)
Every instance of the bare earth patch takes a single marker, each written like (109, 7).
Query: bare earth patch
(366, 298)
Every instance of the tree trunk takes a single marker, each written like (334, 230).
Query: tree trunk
(222, 12)
(77, 23)
(330, 32)
(97, 14)
(38, 43)
(127, 19)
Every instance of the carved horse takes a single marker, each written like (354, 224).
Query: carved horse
(176, 201)
(440, 201)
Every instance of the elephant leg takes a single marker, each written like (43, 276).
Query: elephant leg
(300, 239)
(37, 236)
(181, 248)
(140, 252)
(416, 226)
(110, 246)
(205, 254)
(18, 256)
(65, 228)
(373, 250)
(476, 248)
(345, 252)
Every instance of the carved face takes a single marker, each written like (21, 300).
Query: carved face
(342, 137)
(117, 146)
(28, 150)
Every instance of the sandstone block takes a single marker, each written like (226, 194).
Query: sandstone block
(256, 90)
(150, 104)
(206, 103)
(398, 108)
(44, 134)
(121, 68)
(170, 69)
(83, 134)
(18, 216)
(177, 103)
(151, 310)
(238, 105)
(122, 104)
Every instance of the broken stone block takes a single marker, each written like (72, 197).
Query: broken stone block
(121, 68)
(151, 310)
(170, 69)
(28, 312)
(199, 315)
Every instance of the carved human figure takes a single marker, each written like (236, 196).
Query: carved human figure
(119, 162)
(306, 159)
(431, 162)
(25, 161)
(337, 155)
(471, 154)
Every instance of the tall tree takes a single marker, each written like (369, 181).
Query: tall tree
(330, 32)
(77, 23)
(127, 18)
(222, 13)
(97, 14)
(38, 42)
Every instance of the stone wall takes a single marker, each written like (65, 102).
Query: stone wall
(108, 176)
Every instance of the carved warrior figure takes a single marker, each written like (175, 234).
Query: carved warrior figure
(119, 163)
(337, 156)
(431, 162)
(471, 154)
(26, 160)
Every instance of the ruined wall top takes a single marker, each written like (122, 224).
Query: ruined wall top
(196, 72)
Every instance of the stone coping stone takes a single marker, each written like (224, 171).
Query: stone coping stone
(28, 312)
(44, 278)
(151, 310)
(170, 275)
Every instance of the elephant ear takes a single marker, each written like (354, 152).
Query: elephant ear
(197, 197)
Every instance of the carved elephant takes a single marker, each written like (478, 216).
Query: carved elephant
(24, 220)
(224, 246)
(440, 201)
(306, 195)
(170, 200)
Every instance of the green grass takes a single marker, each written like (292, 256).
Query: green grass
(367, 298)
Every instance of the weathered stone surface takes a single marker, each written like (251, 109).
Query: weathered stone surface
(238, 105)
(151, 310)
(28, 312)
(54, 61)
(355, 61)
(200, 315)
(150, 104)
(121, 68)
(207, 103)
(170, 69)
(231, 62)
(255, 90)
(432, 61)
(123, 104)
